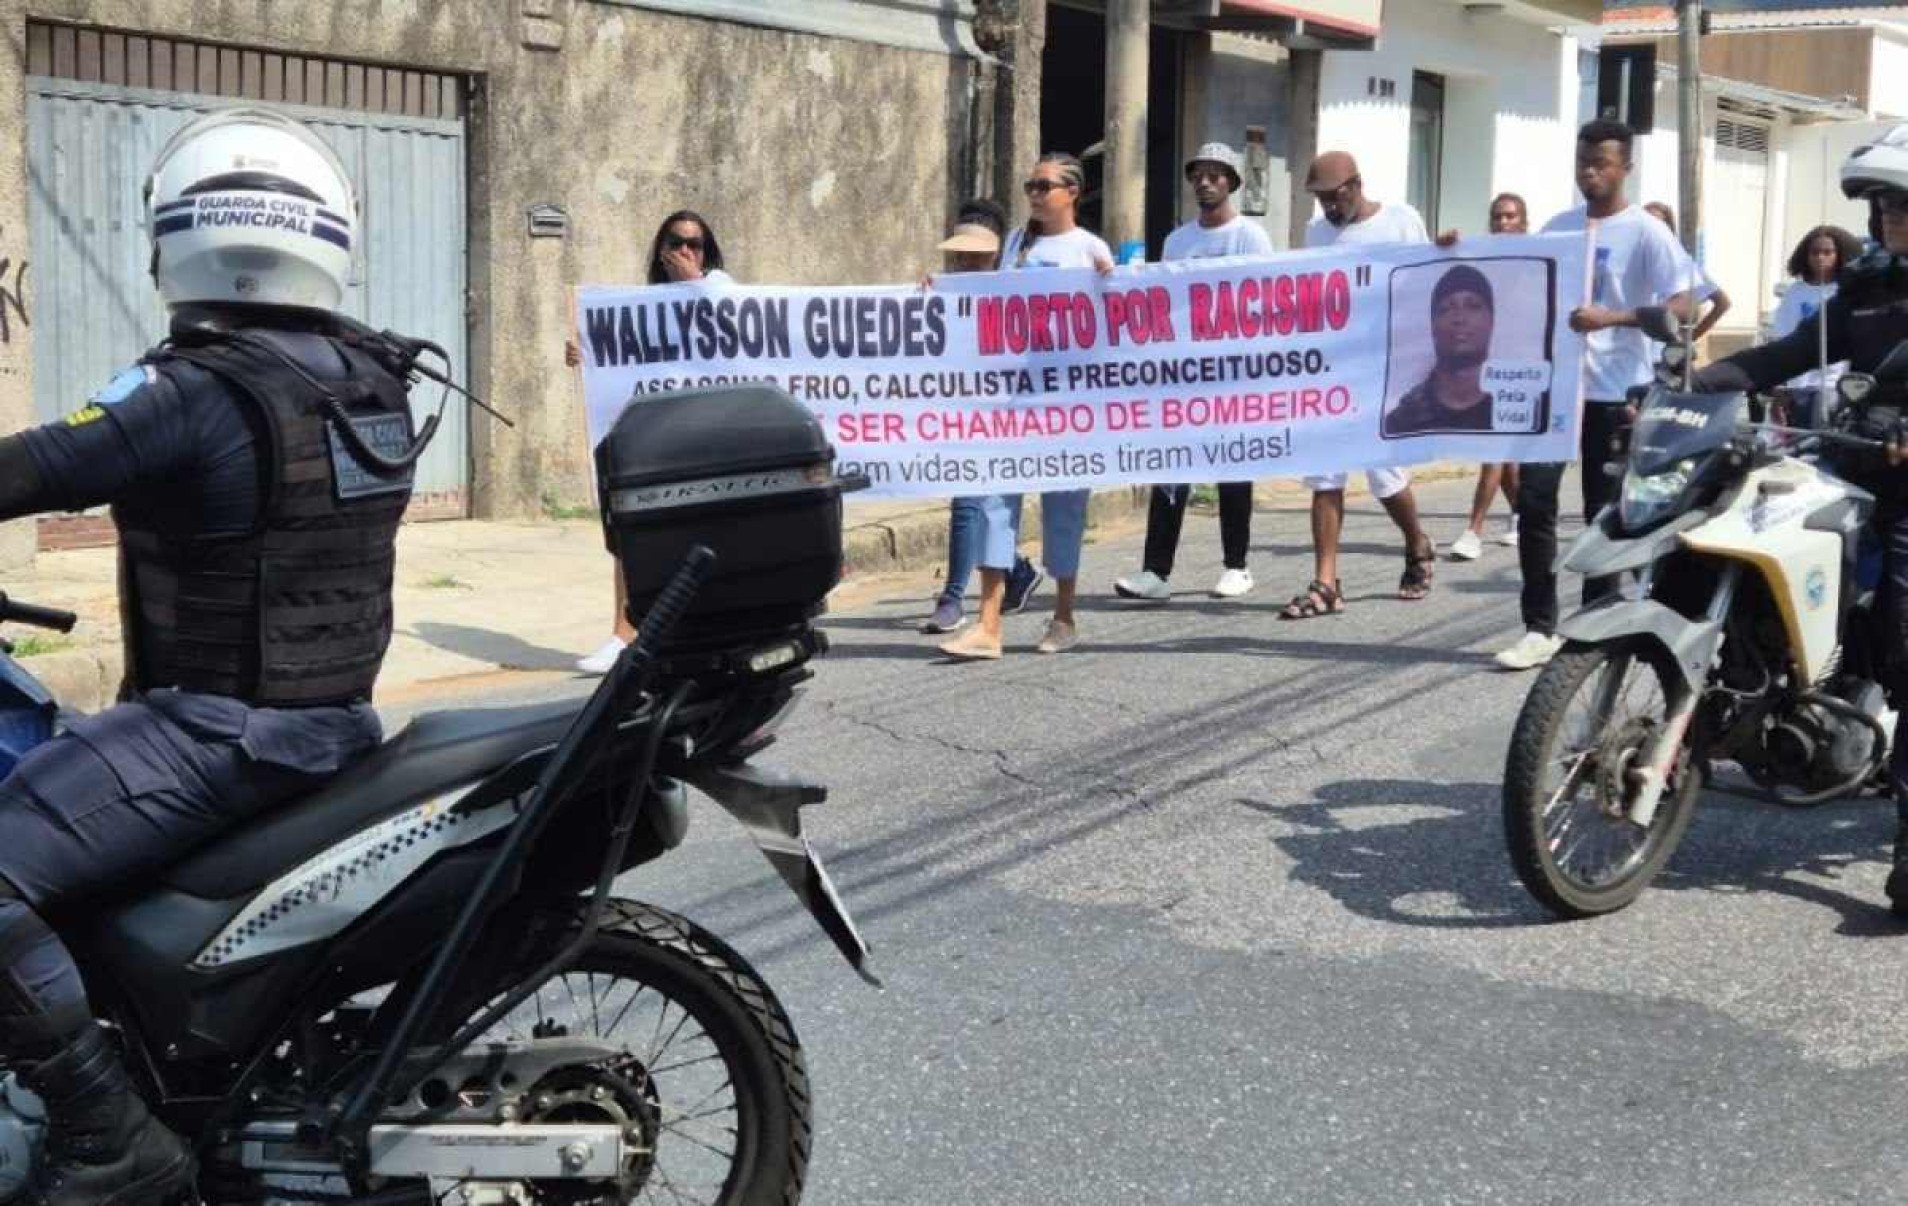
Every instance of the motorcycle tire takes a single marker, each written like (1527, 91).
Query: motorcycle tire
(761, 1056)
(1533, 748)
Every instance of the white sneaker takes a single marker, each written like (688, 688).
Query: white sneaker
(1146, 585)
(1232, 584)
(1509, 535)
(605, 657)
(1467, 547)
(1532, 649)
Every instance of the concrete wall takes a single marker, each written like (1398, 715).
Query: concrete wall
(1247, 84)
(1510, 108)
(816, 159)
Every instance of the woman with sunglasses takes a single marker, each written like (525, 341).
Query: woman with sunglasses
(684, 252)
(1052, 238)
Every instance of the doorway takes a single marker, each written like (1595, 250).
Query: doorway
(1073, 114)
(1425, 166)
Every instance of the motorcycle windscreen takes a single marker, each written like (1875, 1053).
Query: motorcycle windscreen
(1674, 427)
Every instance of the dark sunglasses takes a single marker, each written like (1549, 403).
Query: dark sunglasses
(1340, 193)
(675, 242)
(1040, 188)
(1893, 203)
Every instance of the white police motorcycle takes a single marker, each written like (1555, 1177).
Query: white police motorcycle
(1749, 634)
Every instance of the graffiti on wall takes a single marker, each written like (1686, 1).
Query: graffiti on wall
(13, 306)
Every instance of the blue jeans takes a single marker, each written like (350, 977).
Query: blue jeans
(966, 530)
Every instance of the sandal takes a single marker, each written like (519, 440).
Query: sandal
(1415, 582)
(1319, 599)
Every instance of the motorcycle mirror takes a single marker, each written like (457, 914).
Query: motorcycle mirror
(1656, 322)
(1855, 388)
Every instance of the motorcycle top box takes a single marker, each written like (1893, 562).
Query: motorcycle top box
(743, 469)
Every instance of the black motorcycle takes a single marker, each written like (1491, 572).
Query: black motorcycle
(417, 985)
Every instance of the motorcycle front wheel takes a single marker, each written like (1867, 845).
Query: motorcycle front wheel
(1583, 730)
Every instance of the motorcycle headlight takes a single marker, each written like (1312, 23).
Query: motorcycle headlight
(1645, 500)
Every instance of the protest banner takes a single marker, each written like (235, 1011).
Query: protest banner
(1206, 370)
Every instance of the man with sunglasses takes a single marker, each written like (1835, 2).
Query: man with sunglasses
(1219, 230)
(1347, 215)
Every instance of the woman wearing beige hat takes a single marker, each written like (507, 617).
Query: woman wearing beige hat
(974, 246)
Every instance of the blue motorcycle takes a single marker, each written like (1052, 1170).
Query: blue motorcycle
(28, 715)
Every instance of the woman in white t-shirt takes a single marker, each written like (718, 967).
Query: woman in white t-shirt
(1052, 238)
(1816, 262)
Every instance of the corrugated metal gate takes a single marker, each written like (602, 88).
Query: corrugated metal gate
(91, 142)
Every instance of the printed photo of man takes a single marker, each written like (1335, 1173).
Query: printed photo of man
(1452, 397)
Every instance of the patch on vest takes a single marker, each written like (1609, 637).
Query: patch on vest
(386, 435)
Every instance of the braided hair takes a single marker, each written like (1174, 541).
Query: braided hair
(1073, 174)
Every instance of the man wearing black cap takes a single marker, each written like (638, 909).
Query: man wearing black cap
(1219, 230)
(1452, 398)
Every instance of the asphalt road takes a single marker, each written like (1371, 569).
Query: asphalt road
(1216, 909)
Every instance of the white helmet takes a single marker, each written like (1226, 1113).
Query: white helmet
(247, 206)
(1880, 166)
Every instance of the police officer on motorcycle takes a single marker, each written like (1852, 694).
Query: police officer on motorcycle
(1866, 319)
(248, 463)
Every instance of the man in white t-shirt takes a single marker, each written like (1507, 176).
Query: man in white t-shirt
(1347, 215)
(1219, 230)
(1636, 262)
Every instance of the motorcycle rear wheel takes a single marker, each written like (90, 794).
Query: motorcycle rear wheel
(1564, 822)
(646, 963)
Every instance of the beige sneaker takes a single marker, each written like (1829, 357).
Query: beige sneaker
(974, 645)
(1060, 637)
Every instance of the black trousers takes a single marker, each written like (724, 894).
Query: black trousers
(1167, 513)
(1603, 441)
(117, 797)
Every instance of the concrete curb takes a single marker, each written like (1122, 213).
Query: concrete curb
(918, 540)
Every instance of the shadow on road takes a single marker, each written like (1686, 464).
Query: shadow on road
(1446, 866)
(500, 648)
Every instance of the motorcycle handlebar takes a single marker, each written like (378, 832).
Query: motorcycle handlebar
(38, 617)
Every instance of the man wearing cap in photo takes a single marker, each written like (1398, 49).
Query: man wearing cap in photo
(1219, 230)
(1452, 398)
(1349, 216)
(973, 246)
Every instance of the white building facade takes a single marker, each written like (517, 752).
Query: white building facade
(1458, 102)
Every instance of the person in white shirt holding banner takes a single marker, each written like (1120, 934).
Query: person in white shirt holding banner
(1051, 239)
(1348, 216)
(1635, 261)
(1219, 230)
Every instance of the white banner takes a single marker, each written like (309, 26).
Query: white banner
(1198, 371)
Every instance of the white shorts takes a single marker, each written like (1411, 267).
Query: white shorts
(1383, 482)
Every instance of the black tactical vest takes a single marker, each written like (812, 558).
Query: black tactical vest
(296, 612)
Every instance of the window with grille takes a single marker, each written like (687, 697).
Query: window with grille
(138, 60)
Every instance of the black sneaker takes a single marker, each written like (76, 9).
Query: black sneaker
(1022, 581)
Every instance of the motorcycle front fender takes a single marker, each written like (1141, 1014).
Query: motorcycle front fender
(1599, 550)
(1691, 644)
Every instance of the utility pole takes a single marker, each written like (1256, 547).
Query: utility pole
(1689, 120)
(1128, 30)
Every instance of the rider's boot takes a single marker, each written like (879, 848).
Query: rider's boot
(103, 1148)
(1898, 878)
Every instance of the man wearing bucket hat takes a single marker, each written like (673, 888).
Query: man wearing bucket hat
(973, 246)
(1219, 230)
